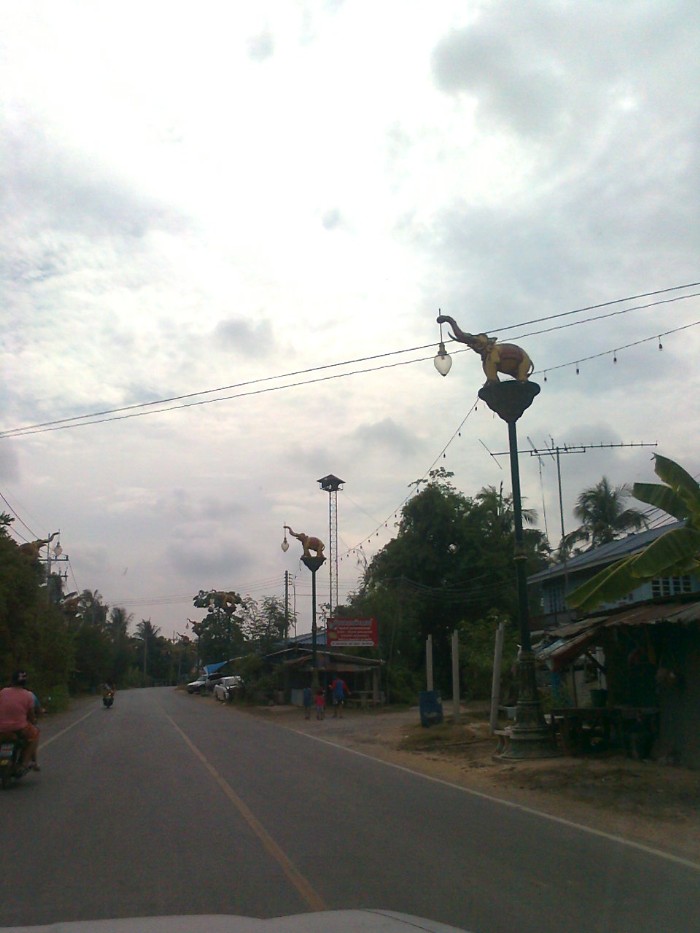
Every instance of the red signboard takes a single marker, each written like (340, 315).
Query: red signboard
(352, 633)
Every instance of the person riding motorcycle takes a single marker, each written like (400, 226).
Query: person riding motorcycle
(107, 693)
(17, 715)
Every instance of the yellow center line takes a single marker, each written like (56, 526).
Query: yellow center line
(311, 897)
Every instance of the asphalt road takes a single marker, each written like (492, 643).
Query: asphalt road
(170, 804)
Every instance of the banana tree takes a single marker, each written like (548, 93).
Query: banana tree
(675, 553)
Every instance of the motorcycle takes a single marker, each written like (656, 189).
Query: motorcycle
(11, 768)
(108, 699)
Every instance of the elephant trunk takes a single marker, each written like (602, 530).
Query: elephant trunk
(457, 332)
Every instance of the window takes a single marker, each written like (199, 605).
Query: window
(554, 598)
(670, 586)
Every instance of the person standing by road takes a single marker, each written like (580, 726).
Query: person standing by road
(339, 690)
(308, 699)
(320, 701)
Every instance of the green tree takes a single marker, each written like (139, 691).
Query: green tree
(220, 633)
(674, 553)
(118, 624)
(263, 624)
(93, 652)
(603, 515)
(451, 563)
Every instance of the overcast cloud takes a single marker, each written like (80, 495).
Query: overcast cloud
(202, 198)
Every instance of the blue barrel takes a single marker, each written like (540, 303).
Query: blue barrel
(430, 706)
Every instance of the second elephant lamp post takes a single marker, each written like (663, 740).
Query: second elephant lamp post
(529, 737)
(312, 561)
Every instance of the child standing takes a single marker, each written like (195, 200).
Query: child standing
(308, 701)
(320, 701)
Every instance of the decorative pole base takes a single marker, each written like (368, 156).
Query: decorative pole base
(509, 399)
(530, 737)
(313, 563)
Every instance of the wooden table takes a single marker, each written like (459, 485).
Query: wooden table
(587, 728)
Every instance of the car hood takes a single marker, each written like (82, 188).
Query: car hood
(339, 921)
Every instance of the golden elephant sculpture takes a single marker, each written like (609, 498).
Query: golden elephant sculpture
(507, 358)
(308, 542)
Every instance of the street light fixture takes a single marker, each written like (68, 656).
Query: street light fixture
(443, 360)
(312, 562)
(529, 737)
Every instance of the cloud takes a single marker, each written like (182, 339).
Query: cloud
(51, 186)
(262, 45)
(332, 219)
(543, 73)
(244, 336)
(384, 437)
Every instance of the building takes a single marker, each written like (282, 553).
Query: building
(638, 658)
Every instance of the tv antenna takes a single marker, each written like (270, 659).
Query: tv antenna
(555, 451)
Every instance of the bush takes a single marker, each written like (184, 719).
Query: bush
(55, 699)
(402, 685)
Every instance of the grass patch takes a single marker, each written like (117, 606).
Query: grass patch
(419, 738)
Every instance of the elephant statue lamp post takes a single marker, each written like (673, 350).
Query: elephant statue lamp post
(313, 561)
(529, 738)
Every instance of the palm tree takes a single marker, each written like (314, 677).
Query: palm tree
(674, 553)
(147, 632)
(603, 516)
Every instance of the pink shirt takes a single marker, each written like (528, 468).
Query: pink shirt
(15, 705)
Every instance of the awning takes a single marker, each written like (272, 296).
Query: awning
(211, 668)
(575, 638)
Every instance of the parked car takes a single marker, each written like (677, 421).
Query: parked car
(198, 685)
(227, 687)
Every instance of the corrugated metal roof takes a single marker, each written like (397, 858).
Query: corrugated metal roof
(572, 640)
(651, 614)
(606, 553)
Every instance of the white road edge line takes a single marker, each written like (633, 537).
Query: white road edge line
(649, 850)
(44, 742)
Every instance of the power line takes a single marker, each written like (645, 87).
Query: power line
(605, 304)
(142, 409)
(35, 536)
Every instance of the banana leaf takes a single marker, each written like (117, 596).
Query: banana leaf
(670, 555)
(662, 498)
(610, 584)
(677, 478)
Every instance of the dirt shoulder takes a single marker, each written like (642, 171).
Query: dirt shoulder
(642, 801)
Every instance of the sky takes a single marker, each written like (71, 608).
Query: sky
(257, 211)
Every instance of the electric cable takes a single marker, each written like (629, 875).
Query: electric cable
(142, 408)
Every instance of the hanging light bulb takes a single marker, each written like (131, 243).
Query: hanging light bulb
(443, 360)
(285, 543)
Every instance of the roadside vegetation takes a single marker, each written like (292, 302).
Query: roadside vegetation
(449, 567)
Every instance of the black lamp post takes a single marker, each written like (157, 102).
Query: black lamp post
(312, 562)
(529, 737)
